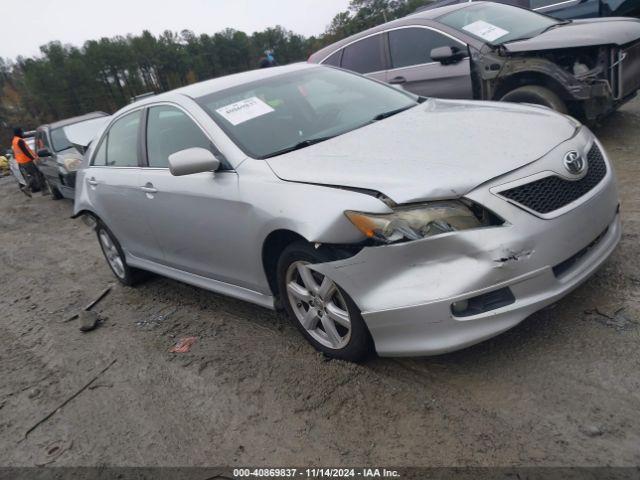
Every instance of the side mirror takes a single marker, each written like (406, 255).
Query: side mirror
(44, 152)
(192, 160)
(446, 55)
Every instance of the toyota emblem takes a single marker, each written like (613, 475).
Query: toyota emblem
(574, 163)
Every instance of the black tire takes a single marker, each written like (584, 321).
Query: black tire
(537, 95)
(359, 344)
(55, 192)
(128, 276)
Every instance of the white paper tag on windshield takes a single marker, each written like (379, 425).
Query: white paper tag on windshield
(485, 30)
(244, 110)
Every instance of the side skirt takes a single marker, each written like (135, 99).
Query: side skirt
(210, 284)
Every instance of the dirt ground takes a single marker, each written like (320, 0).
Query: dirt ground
(563, 388)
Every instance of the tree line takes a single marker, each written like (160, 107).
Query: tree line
(65, 81)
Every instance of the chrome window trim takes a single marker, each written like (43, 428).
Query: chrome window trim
(553, 5)
(351, 43)
(426, 27)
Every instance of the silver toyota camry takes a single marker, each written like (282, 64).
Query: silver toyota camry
(377, 219)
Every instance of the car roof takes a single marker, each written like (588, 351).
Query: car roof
(422, 16)
(72, 120)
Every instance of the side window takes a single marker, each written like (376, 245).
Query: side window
(170, 130)
(542, 3)
(100, 158)
(412, 46)
(334, 59)
(41, 140)
(122, 141)
(364, 56)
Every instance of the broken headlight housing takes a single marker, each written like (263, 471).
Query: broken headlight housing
(414, 222)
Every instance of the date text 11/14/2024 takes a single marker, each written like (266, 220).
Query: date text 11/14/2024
(315, 473)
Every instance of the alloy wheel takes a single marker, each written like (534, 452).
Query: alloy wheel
(318, 305)
(113, 255)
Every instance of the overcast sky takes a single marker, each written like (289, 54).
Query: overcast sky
(75, 21)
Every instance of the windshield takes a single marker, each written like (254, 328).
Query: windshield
(496, 23)
(59, 140)
(295, 110)
(88, 128)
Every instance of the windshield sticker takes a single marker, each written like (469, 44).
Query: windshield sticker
(485, 30)
(244, 110)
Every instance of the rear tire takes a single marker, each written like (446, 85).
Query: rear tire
(115, 257)
(537, 95)
(322, 311)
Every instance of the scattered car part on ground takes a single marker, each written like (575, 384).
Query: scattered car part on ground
(183, 345)
(492, 51)
(358, 206)
(58, 157)
(568, 9)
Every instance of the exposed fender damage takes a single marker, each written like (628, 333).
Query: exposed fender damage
(593, 80)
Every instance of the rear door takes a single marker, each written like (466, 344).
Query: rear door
(414, 69)
(113, 186)
(366, 56)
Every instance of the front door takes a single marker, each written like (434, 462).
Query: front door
(413, 68)
(198, 219)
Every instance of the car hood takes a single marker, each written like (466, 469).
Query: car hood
(582, 33)
(438, 149)
(82, 133)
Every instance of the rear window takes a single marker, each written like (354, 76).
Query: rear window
(334, 59)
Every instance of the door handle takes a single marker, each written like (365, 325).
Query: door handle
(92, 181)
(397, 80)
(149, 188)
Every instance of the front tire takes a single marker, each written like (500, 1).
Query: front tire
(323, 312)
(537, 95)
(55, 193)
(116, 259)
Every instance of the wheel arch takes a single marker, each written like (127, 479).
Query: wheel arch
(89, 217)
(272, 247)
(530, 77)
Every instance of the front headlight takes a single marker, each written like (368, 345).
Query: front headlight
(72, 164)
(417, 221)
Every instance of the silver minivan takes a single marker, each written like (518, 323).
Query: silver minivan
(375, 218)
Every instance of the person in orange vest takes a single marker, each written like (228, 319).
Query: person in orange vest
(25, 158)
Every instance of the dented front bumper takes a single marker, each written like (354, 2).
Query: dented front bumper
(406, 291)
